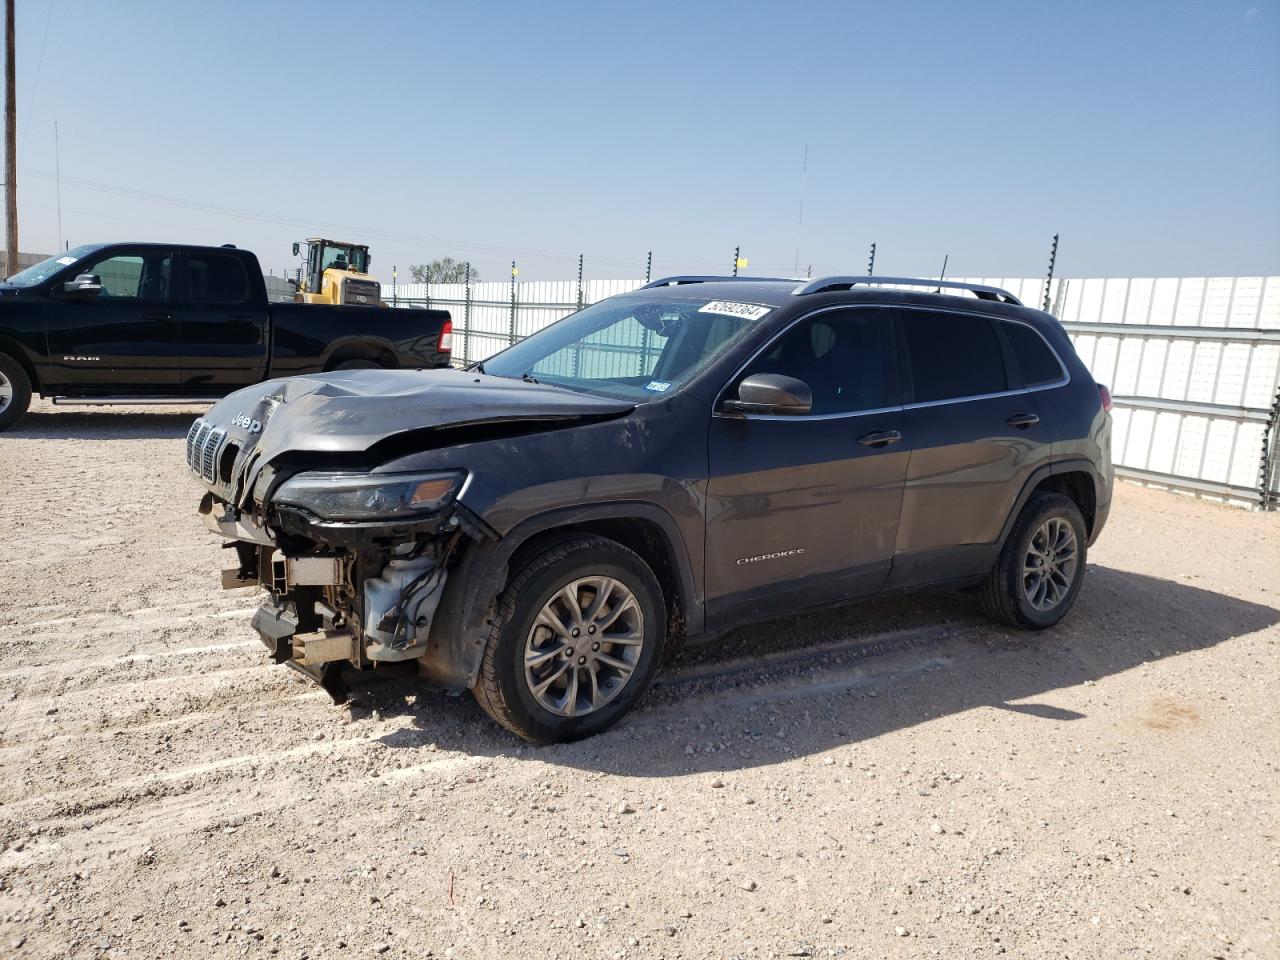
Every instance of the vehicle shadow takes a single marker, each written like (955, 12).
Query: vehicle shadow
(105, 424)
(940, 658)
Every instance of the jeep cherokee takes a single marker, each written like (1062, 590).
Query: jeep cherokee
(674, 461)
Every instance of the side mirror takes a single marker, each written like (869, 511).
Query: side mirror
(772, 393)
(296, 248)
(84, 285)
(292, 281)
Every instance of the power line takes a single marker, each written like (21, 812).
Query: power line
(284, 220)
(364, 232)
(35, 84)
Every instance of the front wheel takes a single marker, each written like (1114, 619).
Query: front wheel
(1039, 572)
(15, 391)
(577, 640)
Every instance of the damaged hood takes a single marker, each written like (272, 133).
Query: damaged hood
(351, 411)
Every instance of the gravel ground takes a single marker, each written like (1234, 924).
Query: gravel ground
(900, 779)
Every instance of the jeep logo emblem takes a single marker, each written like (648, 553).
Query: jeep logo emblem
(252, 426)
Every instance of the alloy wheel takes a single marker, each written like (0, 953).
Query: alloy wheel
(1049, 567)
(6, 392)
(584, 646)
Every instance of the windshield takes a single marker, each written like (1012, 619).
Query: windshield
(42, 271)
(344, 258)
(629, 347)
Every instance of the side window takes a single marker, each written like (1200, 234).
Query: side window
(1037, 362)
(953, 355)
(216, 278)
(843, 355)
(141, 277)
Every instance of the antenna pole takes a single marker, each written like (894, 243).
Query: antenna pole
(871, 262)
(942, 276)
(1048, 280)
(737, 254)
(804, 170)
(648, 267)
(57, 162)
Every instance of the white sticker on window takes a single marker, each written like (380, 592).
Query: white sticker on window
(730, 308)
(658, 386)
(66, 261)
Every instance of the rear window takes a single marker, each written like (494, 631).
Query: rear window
(953, 355)
(1037, 362)
(216, 278)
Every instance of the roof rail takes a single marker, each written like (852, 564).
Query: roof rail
(680, 281)
(823, 284)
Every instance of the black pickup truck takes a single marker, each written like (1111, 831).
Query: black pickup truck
(157, 322)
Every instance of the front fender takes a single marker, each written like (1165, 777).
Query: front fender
(462, 624)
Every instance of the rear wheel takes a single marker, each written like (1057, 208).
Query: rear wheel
(1038, 575)
(577, 641)
(15, 391)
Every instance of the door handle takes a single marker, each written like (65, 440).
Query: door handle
(157, 316)
(879, 438)
(1023, 420)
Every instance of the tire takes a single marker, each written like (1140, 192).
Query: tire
(15, 391)
(1016, 582)
(505, 687)
(358, 365)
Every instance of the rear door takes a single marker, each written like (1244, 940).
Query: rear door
(803, 510)
(976, 437)
(124, 341)
(223, 324)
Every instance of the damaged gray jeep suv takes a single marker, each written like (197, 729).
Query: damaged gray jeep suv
(675, 461)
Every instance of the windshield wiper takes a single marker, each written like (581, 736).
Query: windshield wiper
(527, 377)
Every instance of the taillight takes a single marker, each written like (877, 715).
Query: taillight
(445, 343)
(1106, 398)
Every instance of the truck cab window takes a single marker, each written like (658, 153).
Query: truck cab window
(140, 277)
(216, 278)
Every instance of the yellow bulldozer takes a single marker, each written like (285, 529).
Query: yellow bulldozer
(335, 273)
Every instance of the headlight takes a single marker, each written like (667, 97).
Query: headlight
(333, 495)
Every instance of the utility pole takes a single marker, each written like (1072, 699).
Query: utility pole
(10, 146)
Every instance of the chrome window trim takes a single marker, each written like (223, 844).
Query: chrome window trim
(924, 404)
(812, 416)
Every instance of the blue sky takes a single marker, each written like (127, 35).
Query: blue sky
(1146, 133)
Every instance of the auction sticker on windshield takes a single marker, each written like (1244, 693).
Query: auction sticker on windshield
(730, 308)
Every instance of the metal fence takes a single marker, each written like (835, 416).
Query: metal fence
(1193, 363)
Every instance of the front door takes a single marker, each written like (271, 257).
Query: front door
(223, 329)
(124, 340)
(803, 510)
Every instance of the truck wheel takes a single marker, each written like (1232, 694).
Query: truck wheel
(1038, 575)
(358, 365)
(576, 642)
(15, 391)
